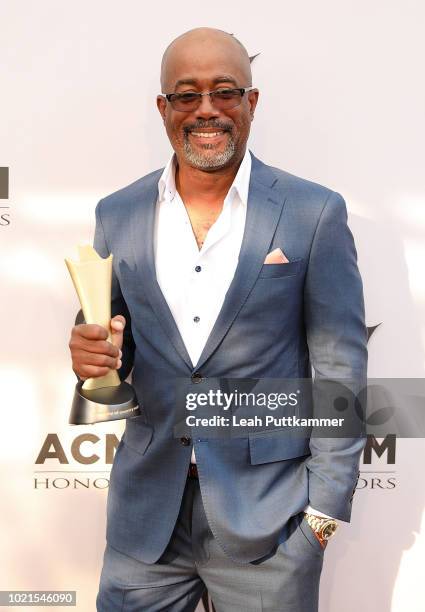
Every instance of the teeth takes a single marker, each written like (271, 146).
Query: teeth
(206, 134)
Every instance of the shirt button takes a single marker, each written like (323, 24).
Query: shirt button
(196, 319)
(185, 440)
(196, 377)
(198, 268)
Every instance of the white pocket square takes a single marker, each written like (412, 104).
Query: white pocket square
(276, 257)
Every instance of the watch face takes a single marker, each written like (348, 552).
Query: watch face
(328, 530)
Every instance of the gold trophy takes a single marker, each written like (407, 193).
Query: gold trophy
(105, 398)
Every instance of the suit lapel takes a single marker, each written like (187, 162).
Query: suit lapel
(263, 214)
(142, 227)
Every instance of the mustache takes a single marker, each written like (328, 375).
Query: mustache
(220, 125)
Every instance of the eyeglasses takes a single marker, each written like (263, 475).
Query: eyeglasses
(222, 99)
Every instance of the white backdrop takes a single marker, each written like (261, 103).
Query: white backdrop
(342, 103)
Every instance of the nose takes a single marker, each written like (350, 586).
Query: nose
(206, 109)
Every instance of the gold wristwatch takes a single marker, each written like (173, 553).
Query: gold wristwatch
(324, 528)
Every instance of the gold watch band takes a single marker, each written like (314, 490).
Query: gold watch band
(323, 527)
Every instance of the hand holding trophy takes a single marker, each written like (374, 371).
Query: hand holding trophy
(104, 398)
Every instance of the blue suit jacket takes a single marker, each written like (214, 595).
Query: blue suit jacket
(276, 321)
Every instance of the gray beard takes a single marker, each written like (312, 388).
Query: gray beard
(212, 161)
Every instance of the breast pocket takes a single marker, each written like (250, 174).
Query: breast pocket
(281, 269)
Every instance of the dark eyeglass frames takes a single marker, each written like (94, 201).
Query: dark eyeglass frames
(222, 99)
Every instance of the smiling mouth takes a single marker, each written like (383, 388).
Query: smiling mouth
(206, 134)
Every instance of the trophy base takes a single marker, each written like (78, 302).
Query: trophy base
(106, 404)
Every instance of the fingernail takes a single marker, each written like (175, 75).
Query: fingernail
(117, 325)
(120, 353)
(119, 364)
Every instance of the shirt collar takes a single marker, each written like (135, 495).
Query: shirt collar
(166, 183)
(240, 185)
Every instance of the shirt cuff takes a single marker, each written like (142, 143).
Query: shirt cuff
(311, 510)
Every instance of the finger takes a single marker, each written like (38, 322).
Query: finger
(94, 359)
(103, 347)
(90, 331)
(118, 323)
(117, 330)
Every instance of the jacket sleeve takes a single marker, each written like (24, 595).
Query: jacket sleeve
(118, 304)
(337, 341)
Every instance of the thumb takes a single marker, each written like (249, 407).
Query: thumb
(117, 330)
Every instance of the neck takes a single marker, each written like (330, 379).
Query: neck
(201, 186)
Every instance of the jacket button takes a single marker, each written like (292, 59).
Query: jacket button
(185, 440)
(196, 377)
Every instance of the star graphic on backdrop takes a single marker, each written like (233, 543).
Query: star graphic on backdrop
(371, 330)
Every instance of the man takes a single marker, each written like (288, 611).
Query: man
(223, 268)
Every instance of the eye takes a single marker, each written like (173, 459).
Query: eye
(186, 96)
(226, 93)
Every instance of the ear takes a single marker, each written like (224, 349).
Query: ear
(161, 104)
(252, 101)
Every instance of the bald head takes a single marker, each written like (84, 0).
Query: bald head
(204, 49)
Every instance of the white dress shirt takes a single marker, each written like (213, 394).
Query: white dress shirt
(192, 294)
(195, 281)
